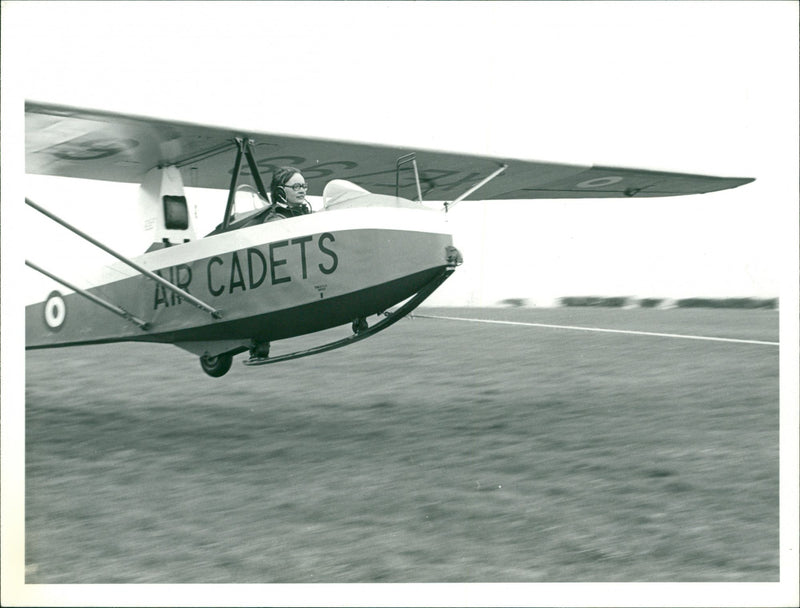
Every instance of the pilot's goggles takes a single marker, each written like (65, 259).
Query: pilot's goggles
(298, 187)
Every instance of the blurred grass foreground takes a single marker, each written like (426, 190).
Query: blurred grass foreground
(438, 451)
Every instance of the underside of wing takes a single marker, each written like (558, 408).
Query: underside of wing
(92, 144)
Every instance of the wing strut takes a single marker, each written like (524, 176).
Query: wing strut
(408, 158)
(184, 294)
(117, 310)
(480, 184)
(244, 147)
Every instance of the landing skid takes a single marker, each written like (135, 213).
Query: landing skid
(362, 332)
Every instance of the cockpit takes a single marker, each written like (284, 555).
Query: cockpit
(251, 208)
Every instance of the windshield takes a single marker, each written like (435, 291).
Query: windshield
(247, 200)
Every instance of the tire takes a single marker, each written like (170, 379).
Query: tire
(216, 366)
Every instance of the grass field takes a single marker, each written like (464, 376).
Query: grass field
(438, 451)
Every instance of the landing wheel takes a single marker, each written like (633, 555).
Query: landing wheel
(216, 366)
(360, 325)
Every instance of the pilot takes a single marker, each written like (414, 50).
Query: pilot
(288, 190)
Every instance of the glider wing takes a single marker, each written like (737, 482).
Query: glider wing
(75, 142)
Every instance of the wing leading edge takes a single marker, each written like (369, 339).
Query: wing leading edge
(76, 142)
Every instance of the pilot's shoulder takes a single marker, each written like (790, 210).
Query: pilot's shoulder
(280, 212)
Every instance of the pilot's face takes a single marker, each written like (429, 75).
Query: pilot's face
(296, 189)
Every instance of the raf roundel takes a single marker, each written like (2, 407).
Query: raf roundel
(55, 311)
(599, 182)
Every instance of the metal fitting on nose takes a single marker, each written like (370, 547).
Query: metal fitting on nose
(453, 256)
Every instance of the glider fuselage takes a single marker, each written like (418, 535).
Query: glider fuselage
(273, 281)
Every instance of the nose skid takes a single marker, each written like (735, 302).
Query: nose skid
(362, 331)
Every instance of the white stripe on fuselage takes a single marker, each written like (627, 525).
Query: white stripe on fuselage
(396, 219)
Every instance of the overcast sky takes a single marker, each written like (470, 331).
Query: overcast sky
(691, 87)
